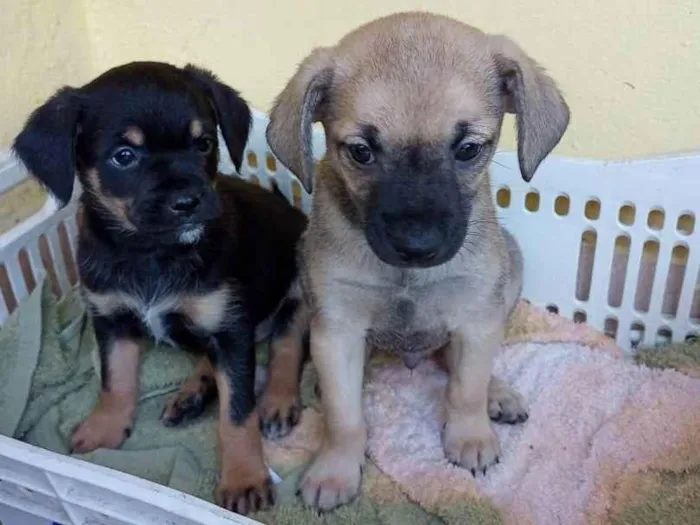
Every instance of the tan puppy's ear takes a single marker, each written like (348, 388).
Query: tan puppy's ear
(542, 115)
(294, 112)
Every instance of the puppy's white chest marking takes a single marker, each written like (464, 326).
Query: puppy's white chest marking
(206, 311)
(153, 316)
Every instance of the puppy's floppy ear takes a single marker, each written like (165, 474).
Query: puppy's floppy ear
(232, 112)
(542, 115)
(294, 112)
(46, 145)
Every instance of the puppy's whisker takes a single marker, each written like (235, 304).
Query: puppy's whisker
(501, 165)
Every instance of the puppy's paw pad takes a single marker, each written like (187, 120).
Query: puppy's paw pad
(506, 405)
(102, 429)
(279, 415)
(472, 446)
(332, 480)
(244, 495)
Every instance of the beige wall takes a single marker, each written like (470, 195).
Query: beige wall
(630, 70)
(42, 47)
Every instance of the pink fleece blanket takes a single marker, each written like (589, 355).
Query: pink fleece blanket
(601, 435)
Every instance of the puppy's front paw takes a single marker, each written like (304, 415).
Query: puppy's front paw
(106, 427)
(506, 405)
(332, 480)
(471, 443)
(279, 414)
(244, 493)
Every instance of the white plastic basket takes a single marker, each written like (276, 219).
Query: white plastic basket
(611, 243)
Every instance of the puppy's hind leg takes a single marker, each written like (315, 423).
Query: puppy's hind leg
(193, 396)
(506, 405)
(514, 283)
(280, 404)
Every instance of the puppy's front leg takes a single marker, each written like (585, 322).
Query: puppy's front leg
(244, 485)
(111, 420)
(338, 353)
(468, 438)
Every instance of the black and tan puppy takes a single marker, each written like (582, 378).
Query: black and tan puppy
(404, 251)
(171, 251)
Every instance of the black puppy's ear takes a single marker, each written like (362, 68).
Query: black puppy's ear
(232, 111)
(46, 145)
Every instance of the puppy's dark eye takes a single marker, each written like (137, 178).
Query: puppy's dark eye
(468, 151)
(361, 153)
(124, 157)
(205, 145)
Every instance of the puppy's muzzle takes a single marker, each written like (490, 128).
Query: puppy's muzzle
(416, 222)
(405, 240)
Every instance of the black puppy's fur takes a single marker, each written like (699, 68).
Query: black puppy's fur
(167, 248)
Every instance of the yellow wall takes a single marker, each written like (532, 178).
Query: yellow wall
(630, 70)
(42, 47)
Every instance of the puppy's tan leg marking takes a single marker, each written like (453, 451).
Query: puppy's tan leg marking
(244, 485)
(338, 352)
(506, 405)
(468, 438)
(193, 396)
(111, 420)
(280, 404)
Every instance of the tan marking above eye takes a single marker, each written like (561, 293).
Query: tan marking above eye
(134, 136)
(196, 128)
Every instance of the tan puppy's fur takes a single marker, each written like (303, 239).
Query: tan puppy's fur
(412, 77)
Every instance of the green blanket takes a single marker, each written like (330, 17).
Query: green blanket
(49, 382)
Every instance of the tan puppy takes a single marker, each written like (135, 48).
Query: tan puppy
(404, 250)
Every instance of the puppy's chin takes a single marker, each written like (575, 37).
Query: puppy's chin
(185, 235)
(190, 235)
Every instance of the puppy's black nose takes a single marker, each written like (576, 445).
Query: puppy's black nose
(414, 241)
(185, 204)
